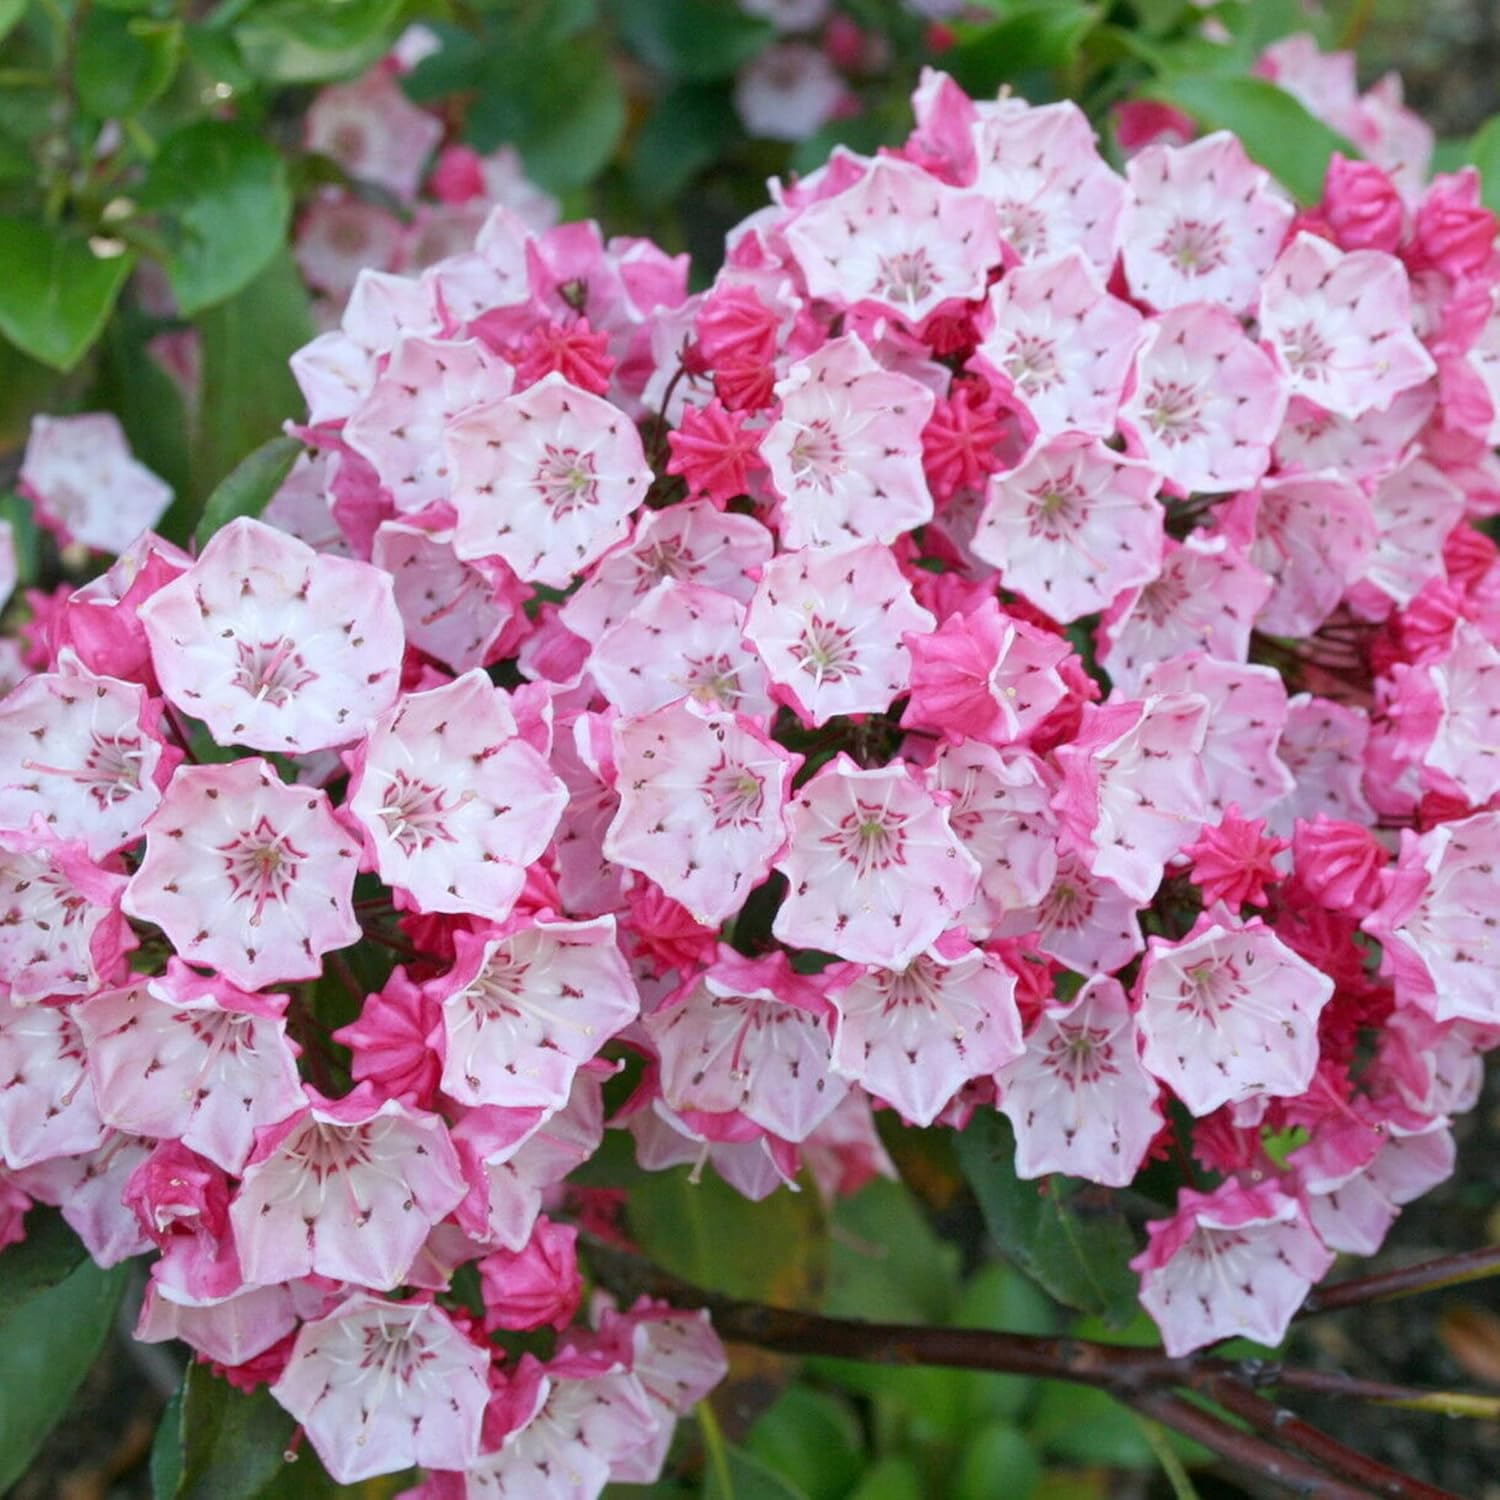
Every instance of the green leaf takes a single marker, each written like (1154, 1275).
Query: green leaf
(747, 1479)
(887, 1262)
(309, 41)
(247, 390)
(997, 1460)
(1275, 129)
(1044, 36)
(26, 537)
(232, 1443)
(1000, 1298)
(693, 39)
(248, 488)
(49, 1254)
(226, 206)
(1484, 153)
(895, 1477)
(1078, 1252)
(26, 387)
(689, 127)
(11, 11)
(124, 62)
(47, 1346)
(811, 1438)
(773, 1251)
(166, 1449)
(56, 292)
(561, 107)
(149, 403)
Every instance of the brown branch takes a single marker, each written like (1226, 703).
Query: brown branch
(1283, 1426)
(1250, 1451)
(1407, 1281)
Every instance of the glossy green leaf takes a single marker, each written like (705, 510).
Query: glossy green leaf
(27, 386)
(887, 1261)
(692, 39)
(247, 489)
(742, 1477)
(150, 404)
(49, 1254)
(309, 41)
(1045, 35)
(1484, 152)
(811, 1438)
(56, 292)
(1069, 1240)
(124, 62)
(247, 390)
(232, 1443)
(1000, 1298)
(689, 127)
(225, 205)
(47, 1345)
(1275, 129)
(773, 1251)
(562, 107)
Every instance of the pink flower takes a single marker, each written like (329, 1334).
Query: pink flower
(390, 1044)
(535, 1287)
(1340, 863)
(1362, 205)
(1232, 861)
(714, 452)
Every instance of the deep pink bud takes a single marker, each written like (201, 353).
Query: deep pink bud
(1361, 205)
(1454, 231)
(1339, 863)
(538, 1285)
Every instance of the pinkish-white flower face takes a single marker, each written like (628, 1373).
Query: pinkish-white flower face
(1082, 919)
(1207, 402)
(380, 1386)
(682, 641)
(1051, 189)
(828, 625)
(1078, 1098)
(47, 1106)
(246, 875)
(1415, 506)
(1339, 325)
(182, 1061)
(275, 646)
(79, 751)
(876, 873)
(1230, 1014)
(1073, 527)
(899, 239)
(1466, 744)
(80, 473)
(753, 1039)
(845, 452)
(521, 1013)
(399, 426)
(453, 801)
(1061, 344)
(347, 1189)
(546, 480)
(1203, 224)
(914, 1036)
(1323, 745)
(701, 806)
(1236, 1261)
(374, 132)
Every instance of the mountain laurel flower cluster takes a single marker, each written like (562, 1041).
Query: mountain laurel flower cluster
(1019, 640)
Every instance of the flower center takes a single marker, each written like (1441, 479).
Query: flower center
(415, 814)
(566, 479)
(905, 277)
(1174, 412)
(1032, 362)
(735, 794)
(1306, 351)
(1195, 247)
(870, 837)
(1022, 227)
(272, 671)
(816, 456)
(826, 651)
(262, 866)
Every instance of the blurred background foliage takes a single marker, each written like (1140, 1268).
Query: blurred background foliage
(161, 202)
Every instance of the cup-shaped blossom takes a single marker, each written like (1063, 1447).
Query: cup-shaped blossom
(681, 640)
(521, 1012)
(845, 453)
(1324, 746)
(701, 805)
(63, 933)
(1072, 526)
(545, 479)
(1238, 1260)
(84, 753)
(247, 875)
(749, 1037)
(1060, 345)
(274, 645)
(347, 1188)
(1436, 923)
(47, 1106)
(228, 1330)
(829, 625)
(914, 1036)
(1416, 508)
(1203, 223)
(380, 1386)
(374, 132)
(1133, 791)
(1081, 919)
(1462, 685)
(899, 238)
(1207, 402)
(399, 426)
(1339, 325)
(453, 801)
(875, 872)
(1040, 166)
(1078, 1098)
(85, 483)
(1229, 1013)
(193, 1059)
